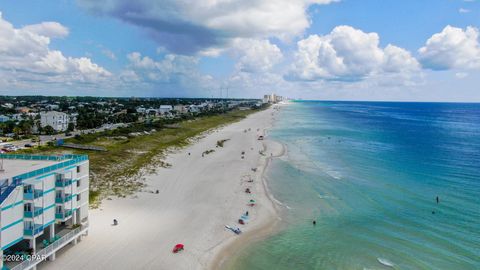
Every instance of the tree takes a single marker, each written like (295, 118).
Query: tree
(49, 130)
(26, 127)
(71, 127)
(17, 130)
(39, 127)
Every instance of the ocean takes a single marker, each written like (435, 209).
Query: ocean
(369, 173)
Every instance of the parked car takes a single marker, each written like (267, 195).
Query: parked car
(28, 145)
(10, 148)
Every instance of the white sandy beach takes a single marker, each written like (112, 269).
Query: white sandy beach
(197, 197)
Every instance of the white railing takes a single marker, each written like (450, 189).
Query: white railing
(53, 247)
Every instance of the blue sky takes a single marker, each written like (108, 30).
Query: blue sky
(314, 49)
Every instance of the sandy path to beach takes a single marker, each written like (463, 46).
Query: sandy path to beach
(197, 197)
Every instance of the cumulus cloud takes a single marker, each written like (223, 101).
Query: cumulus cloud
(452, 48)
(169, 69)
(192, 26)
(347, 54)
(48, 29)
(172, 72)
(26, 57)
(398, 60)
(256, 56)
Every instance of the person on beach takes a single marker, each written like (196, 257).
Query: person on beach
(246, 213)
(115, 222)
(314, 222)
(438, 200)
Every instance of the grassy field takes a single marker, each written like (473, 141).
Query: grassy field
(119, 171)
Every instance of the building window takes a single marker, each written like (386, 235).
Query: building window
(28, 225)
(27, 207)
(78, 183)
(78, 197)
(78, 169)
(28, 189)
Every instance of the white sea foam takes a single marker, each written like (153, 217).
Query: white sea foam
(385, 262)
(280, 203)
(326, 197)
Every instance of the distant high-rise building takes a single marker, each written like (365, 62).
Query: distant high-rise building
(272, 98)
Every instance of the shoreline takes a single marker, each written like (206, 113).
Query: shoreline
(196, 197)
(270, 224)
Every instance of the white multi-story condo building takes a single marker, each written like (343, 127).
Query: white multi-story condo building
(57, 120)
(272, 98)
(44, 206)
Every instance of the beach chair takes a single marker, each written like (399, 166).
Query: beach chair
(45, 243)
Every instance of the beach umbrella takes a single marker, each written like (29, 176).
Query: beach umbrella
(178, 247)
(252, 201)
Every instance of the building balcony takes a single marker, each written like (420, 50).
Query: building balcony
(63, 215)
(32, 194)
(33, 230)
(64, 237)
(31, 214)
(63, 182)
(65, 199)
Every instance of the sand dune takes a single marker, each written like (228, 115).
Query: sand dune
(197, 197)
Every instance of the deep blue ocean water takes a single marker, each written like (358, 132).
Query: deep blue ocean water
(369, 174)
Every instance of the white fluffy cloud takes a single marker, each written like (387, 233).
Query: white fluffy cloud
(26, 57)
(169, 69)
(348, 54)
(48, 29)
(256, 56)
(452, 48)
(172, 73)
(193, 26)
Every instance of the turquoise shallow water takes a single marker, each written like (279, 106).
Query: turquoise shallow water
(369, 174)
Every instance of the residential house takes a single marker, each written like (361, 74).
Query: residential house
(165, 109)
(52, 107)
(4, 118)
(180, 109)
